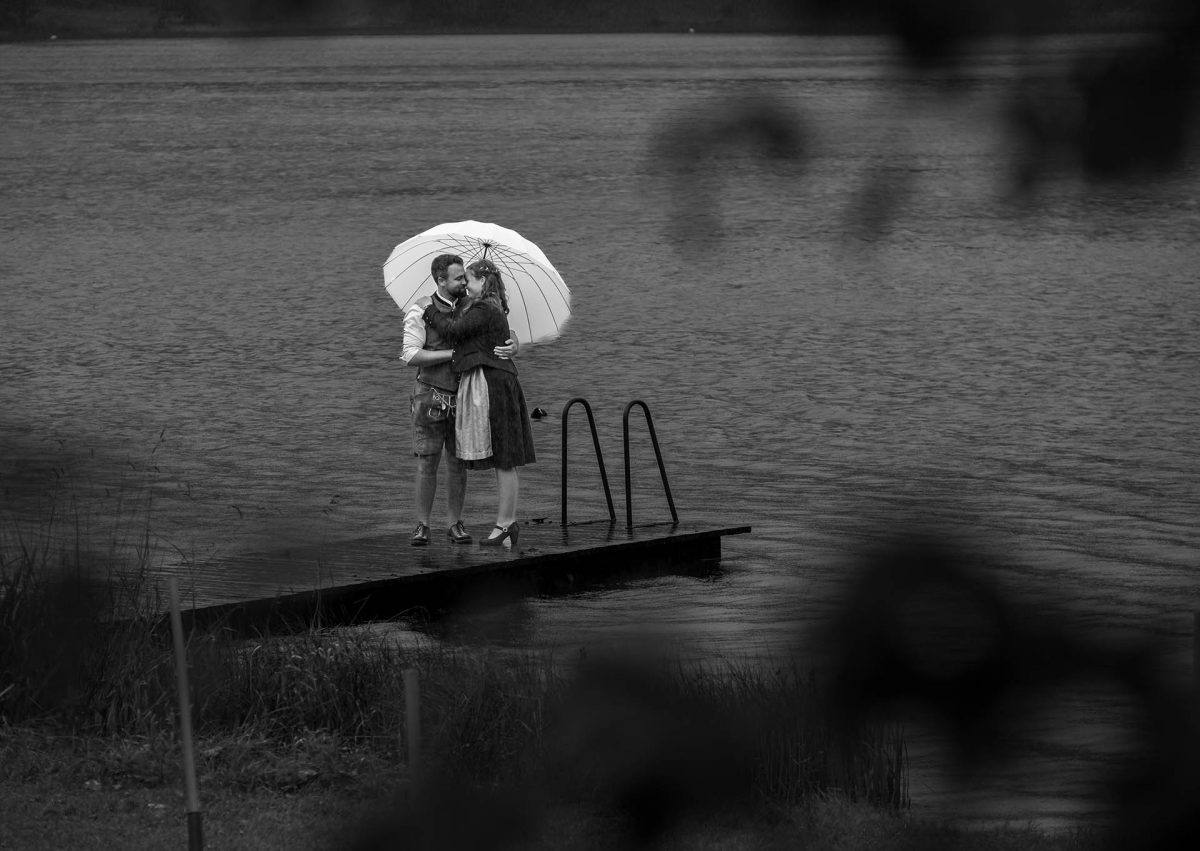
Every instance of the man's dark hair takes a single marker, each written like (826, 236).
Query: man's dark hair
(441, 263)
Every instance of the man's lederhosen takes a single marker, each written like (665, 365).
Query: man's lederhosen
(433, 401)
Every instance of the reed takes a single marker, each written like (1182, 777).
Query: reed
(64, 655)
(481, 712)
(799, 748)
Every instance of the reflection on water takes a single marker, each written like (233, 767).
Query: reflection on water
(194, 305)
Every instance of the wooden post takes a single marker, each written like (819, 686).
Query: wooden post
(412, 723)
(195, 827)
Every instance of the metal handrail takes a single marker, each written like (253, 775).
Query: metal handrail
(612, 512)
(662, 470)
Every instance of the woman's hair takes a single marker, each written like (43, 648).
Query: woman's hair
(493, 286)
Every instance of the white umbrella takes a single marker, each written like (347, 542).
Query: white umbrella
(539, 303)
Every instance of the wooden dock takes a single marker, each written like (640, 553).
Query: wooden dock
(384, 577)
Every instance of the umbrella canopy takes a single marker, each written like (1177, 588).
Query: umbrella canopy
(539, 303)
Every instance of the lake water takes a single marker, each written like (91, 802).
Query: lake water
(193, 307)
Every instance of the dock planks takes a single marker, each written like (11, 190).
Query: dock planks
(384, 577)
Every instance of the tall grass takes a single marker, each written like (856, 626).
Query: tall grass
(69, 663)
(64, 656)
(800, 748)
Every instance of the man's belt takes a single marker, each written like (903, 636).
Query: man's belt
(443, 398)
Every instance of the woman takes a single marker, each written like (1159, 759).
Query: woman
(492, 430)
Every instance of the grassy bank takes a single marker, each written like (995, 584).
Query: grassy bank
(87, 714)
(66, 805)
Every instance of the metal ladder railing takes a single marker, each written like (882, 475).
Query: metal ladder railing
(612, 514)
(662, 470)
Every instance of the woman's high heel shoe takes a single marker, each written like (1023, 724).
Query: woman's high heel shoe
(512, 531)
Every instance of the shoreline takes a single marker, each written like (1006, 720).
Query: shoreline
(50, 37)
(71, 28)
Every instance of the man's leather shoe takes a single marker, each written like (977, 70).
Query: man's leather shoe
(458, 534)
(420, 537)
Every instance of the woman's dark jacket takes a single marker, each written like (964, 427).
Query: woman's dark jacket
(474, 333)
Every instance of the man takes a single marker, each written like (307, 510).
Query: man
(434, 399)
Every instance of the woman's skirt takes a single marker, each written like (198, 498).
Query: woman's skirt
(472, 432)
(492, 428)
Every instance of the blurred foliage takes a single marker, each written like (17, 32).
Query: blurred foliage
(1124, 110)
(920, 627)
(922, 631)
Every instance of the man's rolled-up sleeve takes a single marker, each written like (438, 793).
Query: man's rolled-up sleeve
(414, 333)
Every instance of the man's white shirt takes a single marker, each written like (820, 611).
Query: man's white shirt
(414, 326)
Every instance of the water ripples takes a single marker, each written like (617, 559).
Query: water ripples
(196, 231)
